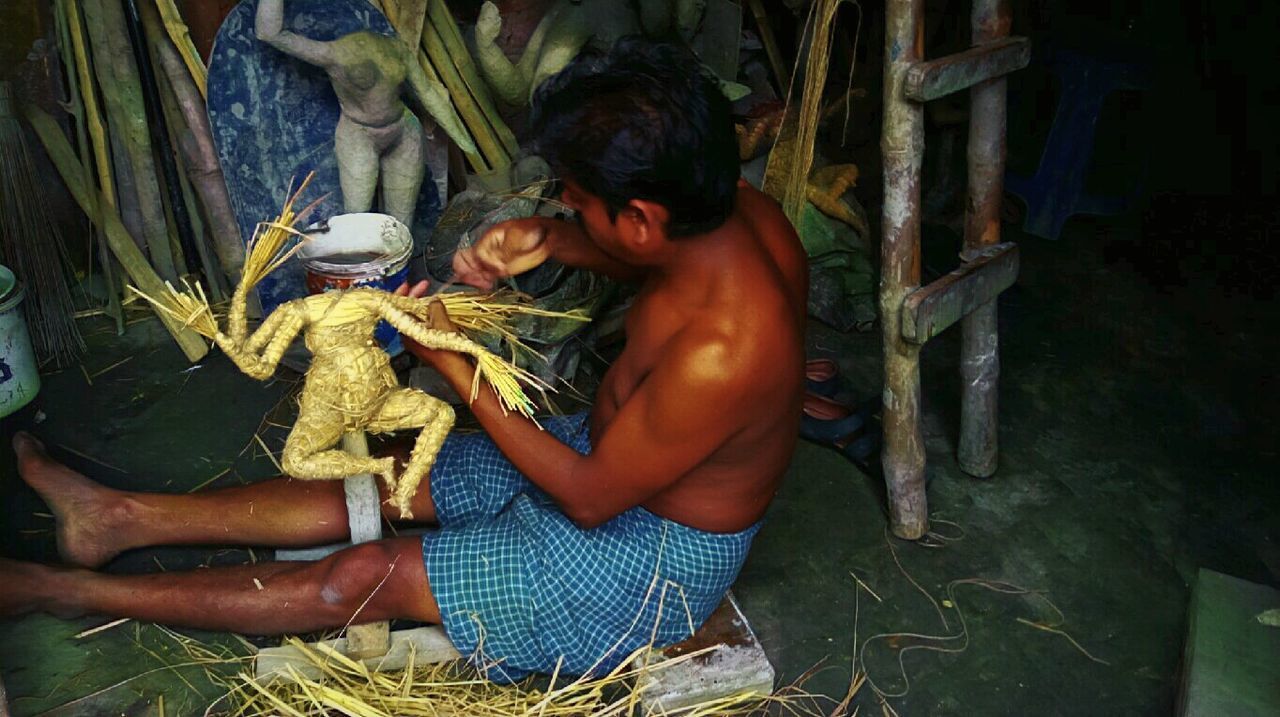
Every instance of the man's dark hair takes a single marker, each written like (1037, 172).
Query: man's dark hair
(644, 122)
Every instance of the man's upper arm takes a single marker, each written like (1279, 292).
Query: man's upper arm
(689, 406)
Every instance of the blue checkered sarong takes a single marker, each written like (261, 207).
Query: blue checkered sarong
(523, 589)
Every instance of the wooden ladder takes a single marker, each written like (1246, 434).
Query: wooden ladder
(912, 314)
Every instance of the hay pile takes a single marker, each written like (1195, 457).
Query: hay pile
(453, 689)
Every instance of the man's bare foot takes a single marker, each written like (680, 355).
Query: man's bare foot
(87, 513)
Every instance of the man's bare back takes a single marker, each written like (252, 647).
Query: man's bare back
(753, 284)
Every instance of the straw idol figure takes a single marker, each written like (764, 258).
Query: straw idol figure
(350, 385)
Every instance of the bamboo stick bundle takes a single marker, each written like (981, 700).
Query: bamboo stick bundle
(200, 158)
(32, 244)
(117, 73)
(475, 159)
(93, 204)
(486, 139)
(180, 35)
(63, 16)
(439, 16)
(174, 128)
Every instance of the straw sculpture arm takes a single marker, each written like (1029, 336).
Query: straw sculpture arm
(276, 333)
(500, 374)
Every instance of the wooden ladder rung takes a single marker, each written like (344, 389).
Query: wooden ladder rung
(929, 310)
(938, 78)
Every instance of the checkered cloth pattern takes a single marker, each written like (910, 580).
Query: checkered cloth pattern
(522, 589)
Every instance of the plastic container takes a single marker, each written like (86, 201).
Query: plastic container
(19, 373)
(364, 249)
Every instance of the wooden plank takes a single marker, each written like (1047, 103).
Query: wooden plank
(428, 645)
(735, 664)
(1229, 662)
(938, 78)
(926, 312)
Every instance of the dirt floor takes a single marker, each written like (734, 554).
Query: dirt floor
(1136, 392)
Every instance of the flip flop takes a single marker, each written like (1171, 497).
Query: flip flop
(821, 377)
(854, 433)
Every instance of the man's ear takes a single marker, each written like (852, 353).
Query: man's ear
(645, 221)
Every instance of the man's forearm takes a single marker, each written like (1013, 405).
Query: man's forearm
(570, 246)
(538, 455)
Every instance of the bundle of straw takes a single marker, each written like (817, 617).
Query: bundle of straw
(268, 250)
(347, 687)
(190, 307)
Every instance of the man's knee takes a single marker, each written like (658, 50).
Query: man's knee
(351, 579)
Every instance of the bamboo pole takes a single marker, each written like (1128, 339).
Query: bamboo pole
(93, 115)
(770, 43)
(438, 14)
(181, 37)
(177, 221)
(200, 157)
(215, 279)
(117, 73)
(92, 203)
(471, 113)
(407, 17)
(62, 20)
(475, 159)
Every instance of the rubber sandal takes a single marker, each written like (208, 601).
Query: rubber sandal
(855, 433)
(821, 377)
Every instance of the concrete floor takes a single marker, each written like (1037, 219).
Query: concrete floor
(1135, 446)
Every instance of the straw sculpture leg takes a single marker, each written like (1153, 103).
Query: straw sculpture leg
(411, 408)
(310, 453)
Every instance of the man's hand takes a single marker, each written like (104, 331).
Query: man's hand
(439, 321)
(510, 248)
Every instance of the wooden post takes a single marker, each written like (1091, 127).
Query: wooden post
(980, 339)
(364, 517)
(902, 146)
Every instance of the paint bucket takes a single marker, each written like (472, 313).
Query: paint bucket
(353, 250)
(19, 374)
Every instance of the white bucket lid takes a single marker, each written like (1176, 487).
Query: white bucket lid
(379, 234)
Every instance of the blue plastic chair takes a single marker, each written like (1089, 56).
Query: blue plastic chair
(1057, 191)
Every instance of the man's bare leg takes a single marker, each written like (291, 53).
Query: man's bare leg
(95, 522)
(380, 580)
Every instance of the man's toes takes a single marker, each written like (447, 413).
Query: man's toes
(27, 445)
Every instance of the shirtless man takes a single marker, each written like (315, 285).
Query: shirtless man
(580, 542)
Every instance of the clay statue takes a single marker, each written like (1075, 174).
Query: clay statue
(568, 26)
(378, 138)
